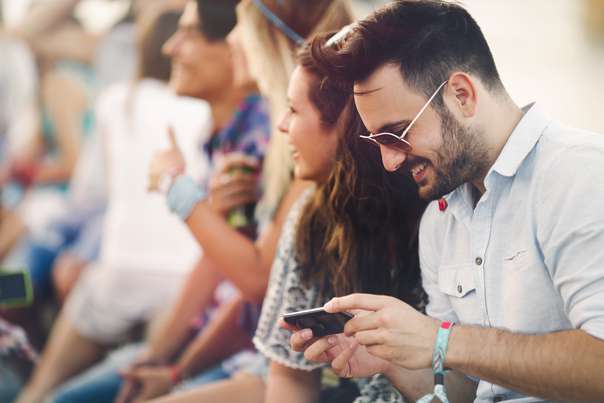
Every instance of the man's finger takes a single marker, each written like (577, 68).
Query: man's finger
(368, 302)
(360, 323)
(370, 337)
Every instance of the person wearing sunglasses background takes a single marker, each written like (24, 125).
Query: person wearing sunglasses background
(511, 246)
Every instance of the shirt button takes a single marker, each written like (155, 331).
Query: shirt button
(459, 289)
(478, 261)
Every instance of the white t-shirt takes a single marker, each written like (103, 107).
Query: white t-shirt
(18, 94)
(140, 233)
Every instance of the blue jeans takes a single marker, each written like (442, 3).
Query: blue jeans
(78, 233)
(10, 382)
(102, 383)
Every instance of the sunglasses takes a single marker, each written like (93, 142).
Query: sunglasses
(391, 139)
(278, 22)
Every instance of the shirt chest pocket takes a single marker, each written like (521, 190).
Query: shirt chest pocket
(458, 283)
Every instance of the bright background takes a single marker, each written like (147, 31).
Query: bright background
(542, 48)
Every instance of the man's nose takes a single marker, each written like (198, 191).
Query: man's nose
(392, 158)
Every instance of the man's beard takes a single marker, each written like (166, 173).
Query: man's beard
(462, 158)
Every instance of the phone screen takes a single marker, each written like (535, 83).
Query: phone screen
(320, 322)
(15, 289)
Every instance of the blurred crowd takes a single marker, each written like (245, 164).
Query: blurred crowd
(173, 186)
(83, 118)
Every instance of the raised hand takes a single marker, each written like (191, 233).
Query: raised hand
(166, 162)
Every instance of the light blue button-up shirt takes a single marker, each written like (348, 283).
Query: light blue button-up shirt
(529, 257)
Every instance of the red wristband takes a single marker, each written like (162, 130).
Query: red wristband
(175, 374)
(24, 173)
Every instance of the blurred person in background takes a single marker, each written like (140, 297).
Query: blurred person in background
(201, 68)
(245, 263)
(66, 224)
(142, 261)
(40, 175)
(251, 263)
(19, 122)
(71, 240)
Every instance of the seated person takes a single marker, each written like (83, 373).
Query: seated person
(142, 261)
(339, 236)
(511, 245)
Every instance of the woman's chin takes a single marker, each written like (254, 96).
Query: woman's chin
(300, 172)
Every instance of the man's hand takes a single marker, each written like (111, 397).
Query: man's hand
(150, 382)
(392, 331)
(347, 358)
(167, 162)
(234, 183)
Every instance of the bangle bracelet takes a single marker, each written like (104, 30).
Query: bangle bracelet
(183, 195)
(438, 361)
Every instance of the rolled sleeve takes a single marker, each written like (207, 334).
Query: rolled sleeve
(570, 231)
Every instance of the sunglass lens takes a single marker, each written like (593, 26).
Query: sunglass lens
(392, 141)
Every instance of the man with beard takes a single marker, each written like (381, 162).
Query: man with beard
(510, 249)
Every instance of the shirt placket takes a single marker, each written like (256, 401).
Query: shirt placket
(480, 232)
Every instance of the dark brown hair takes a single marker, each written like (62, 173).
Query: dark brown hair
(358, 233)
(428, 40)
(155, 31)
(216, 18)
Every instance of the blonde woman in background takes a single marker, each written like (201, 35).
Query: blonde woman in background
(270, 51)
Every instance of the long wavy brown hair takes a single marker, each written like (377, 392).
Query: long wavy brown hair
(358, 233)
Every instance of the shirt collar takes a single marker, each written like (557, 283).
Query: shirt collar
(520, 143)
(522, 140)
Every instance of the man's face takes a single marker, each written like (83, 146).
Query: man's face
(444, 154)
(200, 68)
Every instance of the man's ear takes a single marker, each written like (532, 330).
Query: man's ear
(462, 94)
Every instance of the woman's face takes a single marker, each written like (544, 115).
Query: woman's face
(241, 71)
(313, 146)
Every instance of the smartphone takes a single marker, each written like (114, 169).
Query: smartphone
(15, 289)
(320, 322)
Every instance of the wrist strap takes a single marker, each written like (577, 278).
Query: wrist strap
(438, 360)
(183, 195)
